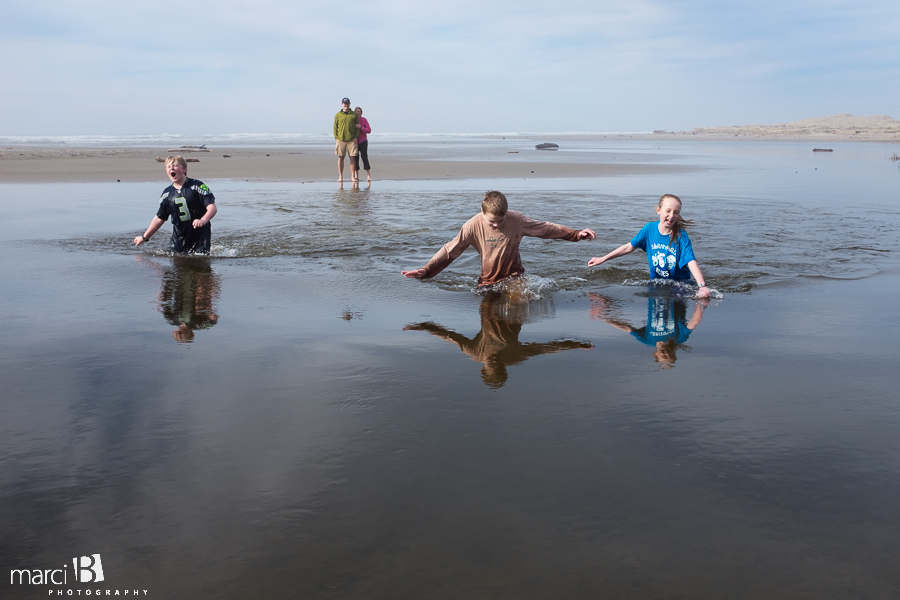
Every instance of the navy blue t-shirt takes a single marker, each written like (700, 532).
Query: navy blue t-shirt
(184, 206)
(666, 261)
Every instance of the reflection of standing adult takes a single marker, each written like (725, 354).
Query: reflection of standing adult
(497, 345)
(363, 142)
(346, 128)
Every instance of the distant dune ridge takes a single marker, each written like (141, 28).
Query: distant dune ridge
(880, 127)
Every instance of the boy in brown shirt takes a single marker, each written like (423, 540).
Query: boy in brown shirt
(496, 233)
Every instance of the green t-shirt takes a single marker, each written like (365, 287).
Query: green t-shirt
(346, 126)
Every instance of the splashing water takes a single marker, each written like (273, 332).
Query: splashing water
(522, 289)
(742, 239)
(219, 251)
(679, 289)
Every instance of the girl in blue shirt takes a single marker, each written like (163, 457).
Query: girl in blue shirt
(668, 247)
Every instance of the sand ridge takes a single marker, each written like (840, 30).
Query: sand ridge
(837, 127)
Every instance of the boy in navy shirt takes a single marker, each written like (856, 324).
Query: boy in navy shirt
(191, 206)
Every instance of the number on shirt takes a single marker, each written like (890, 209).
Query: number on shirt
(183, 213)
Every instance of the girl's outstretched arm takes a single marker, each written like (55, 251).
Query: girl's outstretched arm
(620, 251)
(694, 268)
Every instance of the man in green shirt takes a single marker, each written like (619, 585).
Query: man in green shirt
(346, 130)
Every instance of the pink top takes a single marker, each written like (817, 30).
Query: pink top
(363, 130)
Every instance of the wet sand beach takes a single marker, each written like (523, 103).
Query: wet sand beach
(312, 163)
(290, 417)
(447, 157)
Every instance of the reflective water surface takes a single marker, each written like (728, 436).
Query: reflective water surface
(287, 418)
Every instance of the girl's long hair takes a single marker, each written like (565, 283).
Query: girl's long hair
(680, 224)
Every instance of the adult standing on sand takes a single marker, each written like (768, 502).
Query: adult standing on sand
(363, 143)
(346, 129)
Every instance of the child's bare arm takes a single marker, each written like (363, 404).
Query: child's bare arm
(620, 251)
(155, 224)
(694, 268)
(210, 213)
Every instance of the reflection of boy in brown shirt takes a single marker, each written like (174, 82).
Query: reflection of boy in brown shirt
(497, 345)
(496, 233)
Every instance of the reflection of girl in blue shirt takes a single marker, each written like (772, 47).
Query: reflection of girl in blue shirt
(667, 324)
(668, 247)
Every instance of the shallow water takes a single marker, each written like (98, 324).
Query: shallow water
(291, 418)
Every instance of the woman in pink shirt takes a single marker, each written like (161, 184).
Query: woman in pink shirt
(363, 143)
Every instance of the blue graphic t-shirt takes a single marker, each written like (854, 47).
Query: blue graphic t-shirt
(666, 320)
(666, 261)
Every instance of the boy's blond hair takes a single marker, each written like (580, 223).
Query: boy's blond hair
(177, 158)
(494, 203)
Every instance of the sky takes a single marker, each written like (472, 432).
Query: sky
(100, 67)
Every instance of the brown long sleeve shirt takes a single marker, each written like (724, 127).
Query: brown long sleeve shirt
(499, 248)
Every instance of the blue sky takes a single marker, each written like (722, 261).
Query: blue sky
(282, 66)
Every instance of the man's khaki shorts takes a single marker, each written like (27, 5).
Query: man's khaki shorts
(341, 148)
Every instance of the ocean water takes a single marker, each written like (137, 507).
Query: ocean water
(291, 417)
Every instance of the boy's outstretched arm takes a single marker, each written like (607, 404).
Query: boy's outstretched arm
(694, 268)
(620, 251)
(155, 224)
(551, 231)
(211, 211)
(446, 255)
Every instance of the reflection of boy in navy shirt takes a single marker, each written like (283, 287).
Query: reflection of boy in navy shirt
(188, 296)
(190, 290)
(667, 324)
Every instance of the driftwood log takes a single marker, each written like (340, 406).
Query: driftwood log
(202, 148)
